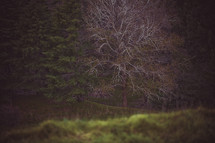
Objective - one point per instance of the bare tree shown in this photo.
(131, 44)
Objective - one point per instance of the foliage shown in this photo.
(63, 73)
(189, 126)
(10, 53)
(32, 32)
(40, 48)
(24, 36)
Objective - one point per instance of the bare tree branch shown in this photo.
(129, 41)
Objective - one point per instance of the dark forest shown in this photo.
(107, 71)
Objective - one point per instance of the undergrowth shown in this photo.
(30, 110)
(188, 126)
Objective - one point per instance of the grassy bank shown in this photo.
(189, 126)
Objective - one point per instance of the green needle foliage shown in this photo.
(10, 53)
(24, 36)
(32, 30)
(63, 74)
(40, 48)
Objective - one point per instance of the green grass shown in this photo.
(188, 126)
(41, 120)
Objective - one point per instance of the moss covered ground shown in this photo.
(188, 126)
(40, 120)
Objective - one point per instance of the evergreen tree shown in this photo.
(32, 29)
(63, 73)
(40, 48)
(10, 53)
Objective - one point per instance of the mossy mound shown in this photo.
(188, 126)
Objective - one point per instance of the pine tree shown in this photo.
(24, 27)
(40, 48)
(8, 18)
(32, 30)
(63, 74)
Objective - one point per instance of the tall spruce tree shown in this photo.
(32, 30)
(9, 16)
(23, 28)
(40, 48)
(63, 74)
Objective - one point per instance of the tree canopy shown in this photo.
(131, 46)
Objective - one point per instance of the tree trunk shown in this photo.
(164, 105)
(124, 96)
(125, 102)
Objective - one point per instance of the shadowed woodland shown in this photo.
(107, 71)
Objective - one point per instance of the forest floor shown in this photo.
(34, 119)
